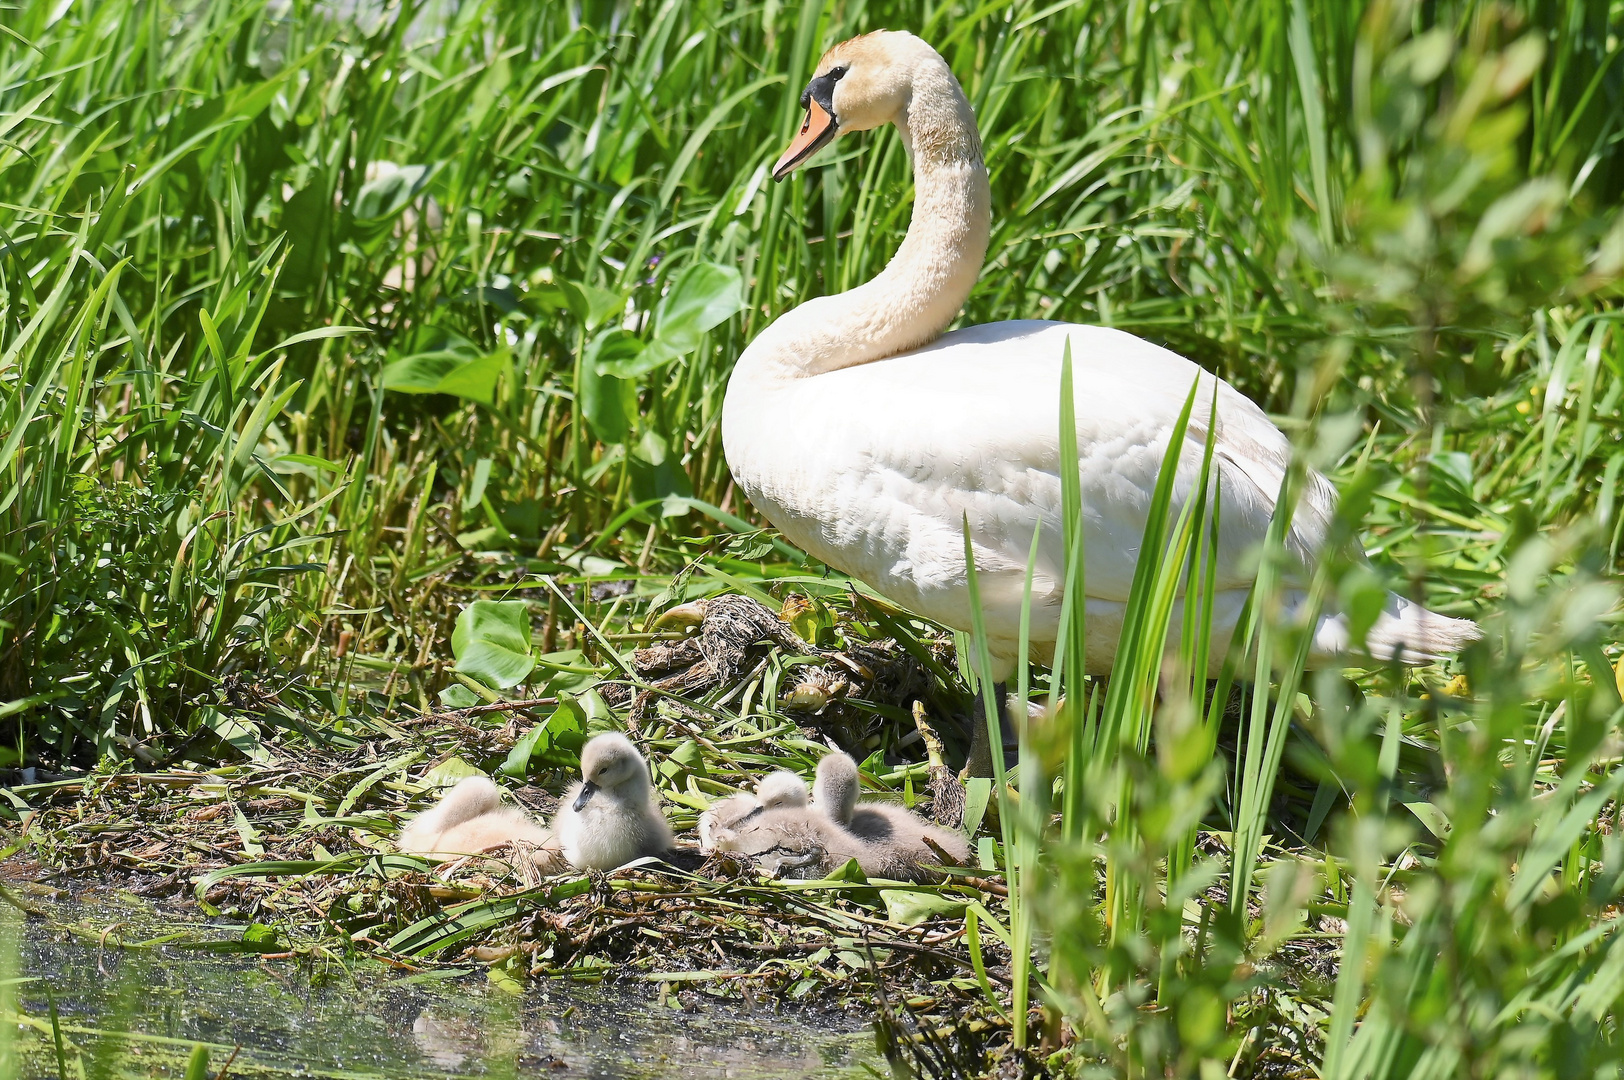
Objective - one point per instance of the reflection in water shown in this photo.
(347, 1022)
(603, 1034)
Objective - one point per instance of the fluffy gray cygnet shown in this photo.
(804, 842)
(788, 838)
(905, 836)
(470, 820)
(780, 789)
(609, 818)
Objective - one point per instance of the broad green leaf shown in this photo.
(458, 696)
(977, 793)
(910, 907)
(552, 742)
(607, 401)
(567, 672)
(475, 380)
(421, 373)
(456, 373)
(492, 642)
(559, 296)
(391, 191)
(476, 486)
(704, 296)
(449, 772)
(849, 871)
(601, 304)
(647, 358)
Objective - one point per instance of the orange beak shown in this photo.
(818, 130)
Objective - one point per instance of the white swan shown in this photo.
(609, 818)
(906, 835)
(866, 438)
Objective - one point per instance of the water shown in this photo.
(137, 1011)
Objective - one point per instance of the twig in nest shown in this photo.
(945, 788)
(477, 710)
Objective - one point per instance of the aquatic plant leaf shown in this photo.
(389, 194)
(449, 771)
(197, 1067)
(447, 372)
(458, 696)
(492, 642)
(556, 741)
(704, 296)
(977, 793)
(910, 907)
(567, 672)
(608, 401)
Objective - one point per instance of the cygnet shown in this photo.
(609, 817)
(470, 819)
(905, 835)
(803, 842)
(780, 789)
(788, 838)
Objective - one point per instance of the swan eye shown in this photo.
(837, 72)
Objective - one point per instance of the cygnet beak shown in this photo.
(816, 133)
(588, 790)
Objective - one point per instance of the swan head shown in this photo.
(609, 762)
(836, 787)
(860, 84)
(781, 789)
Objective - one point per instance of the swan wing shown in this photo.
(874, 468)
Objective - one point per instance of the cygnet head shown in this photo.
(836, 786)
(863, 83)
(611, 764)
(780, 790)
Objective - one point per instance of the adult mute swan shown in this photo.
(867, 436)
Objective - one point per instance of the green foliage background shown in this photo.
(312, 325)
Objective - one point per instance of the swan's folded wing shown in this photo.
(893, 456)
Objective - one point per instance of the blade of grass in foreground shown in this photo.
(1068, 689)
(1007, 814)
(1130, 696)
(1032, 808)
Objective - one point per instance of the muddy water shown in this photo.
(139, 1009)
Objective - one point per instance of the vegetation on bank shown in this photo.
(315, 329)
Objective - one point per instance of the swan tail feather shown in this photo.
(1404, 631)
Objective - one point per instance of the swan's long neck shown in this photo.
(925, 284)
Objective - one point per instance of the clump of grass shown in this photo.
(1466, 886)
(497, 203)
(317, 327)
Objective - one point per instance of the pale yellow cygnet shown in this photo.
(471, 820)
(780, 789)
